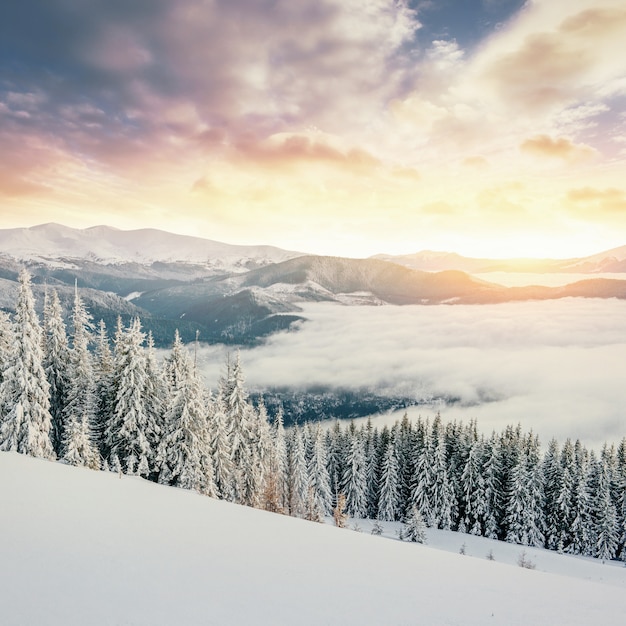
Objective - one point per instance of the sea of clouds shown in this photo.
(558, 367)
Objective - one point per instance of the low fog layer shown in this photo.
(557, 367)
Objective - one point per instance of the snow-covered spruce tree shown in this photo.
(354, 484)
(319, 481)
(103, 373)
(472, 492)
(372, 467)
(247, 478)
(580, 530)
(220, 448)
(493, 489)
(25, 421)
(442, 495)
(176, 365)
(517, 501)
(414, 528)
(409, 445)
(253, 470)
(336, 452)
(298, 473)
(56, 365)
(184, 453)
(78, 447)
(422, 482)
(552, 478)
(78, 441)
(389, 499)
(604, 515)
(563, 516)
(525, 521)
(126, 436)
(459, 439)
(264, 437)
(508, 449)
(156, 394)
(276, 482)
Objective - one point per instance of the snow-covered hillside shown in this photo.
(83, 547)
(105, 244)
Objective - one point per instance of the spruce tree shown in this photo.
(525, 521)
(472, 492)
(184, 454)
(604, 515)
(553, 480)
(105, 392)
(442, 495)
(336, 451)
(319, 481)
(79, 414)
(414, 528)
(156, 395)
(25, 421)
(220, 448)
(126, 435)
(493, 489)
(298, 474)
(565, 497)
(421, 496)
(56, 365)
(389, 499)
(354, 484)
(246, 474)
(579, 533)
(280, 463)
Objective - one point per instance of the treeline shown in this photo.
(82, 398)
(568, 499)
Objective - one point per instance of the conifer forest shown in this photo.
(77, 395)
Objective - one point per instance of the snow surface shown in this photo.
(82, 547)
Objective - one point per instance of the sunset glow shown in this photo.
(347, 127)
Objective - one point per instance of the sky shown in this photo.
(346, 127)
(555, 367)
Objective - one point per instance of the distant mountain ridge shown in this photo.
(238, 294)
(105, 244)
(613, 260)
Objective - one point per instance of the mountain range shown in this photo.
(237, 294)
(610, 261)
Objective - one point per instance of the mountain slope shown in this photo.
(389, 282)
(83, 547)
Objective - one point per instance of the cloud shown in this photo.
(559, 148)
(611, 200)
(304, 148)
(556, 55)
(553, 366)
(240, 63)
(476, 162)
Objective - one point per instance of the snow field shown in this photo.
(83, 547)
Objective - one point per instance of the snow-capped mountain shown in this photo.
(103, 244)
